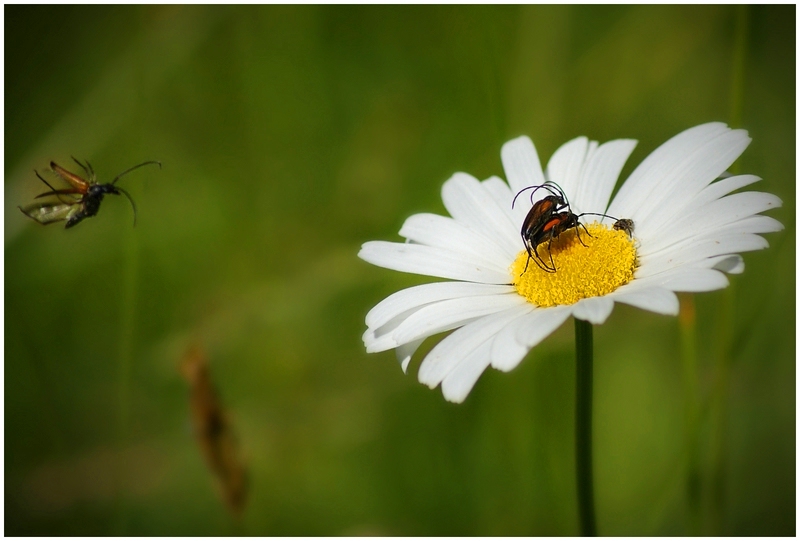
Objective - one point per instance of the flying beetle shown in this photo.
(81, 200)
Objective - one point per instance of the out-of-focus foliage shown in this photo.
(289, 136)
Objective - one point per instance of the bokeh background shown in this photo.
(291, 135)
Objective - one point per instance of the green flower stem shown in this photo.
(583, 427)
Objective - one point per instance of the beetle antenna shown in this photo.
(133, 205)
(132, 168)
(597, 214)
(561, 191)
(519, 192)
(534, 188)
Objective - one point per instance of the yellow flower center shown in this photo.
(606, 262)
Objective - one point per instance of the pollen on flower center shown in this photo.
(606, 262)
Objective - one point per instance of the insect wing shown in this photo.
(540, 211)
(555, 225)
(551, 227)
(80, 184)
(537, 217)
(65, 191)
(48, 213)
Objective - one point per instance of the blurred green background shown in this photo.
(291, 135)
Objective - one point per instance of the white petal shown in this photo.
(696, 280)
(566, 164)
(755, 224)
(593, 146)
(521, 164)
(653, 299)
(684, 278)
(469, 203)
(658, 164)
(722, 187)
(600, 174)
(689, 177)
(742, 205)
(502, 195)
(518, 337)
(595, 310)
(694, 252)
(506, 351)
(746, 227)
(759, 224)
(732, 264)
(694, 174)
(500, 192)
(382, 338)
(419, 296)
(404, 353)
(455, 348)
(445, 315)
(460, 381)
(429, 261)
(677, 170)
(424, 321)
(681, 205)
(444, 232)
(706, 219)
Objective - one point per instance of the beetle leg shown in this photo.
(550, 252)
(541, 263)
(578, 233)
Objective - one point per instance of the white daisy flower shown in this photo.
(687, 230)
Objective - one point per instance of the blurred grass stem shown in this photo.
(691, 407)
(130, 276)
(738, 68)
(705, 486)
(583, 427)
(720, 392)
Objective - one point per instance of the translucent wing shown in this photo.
(48, 213)
(80, 184)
